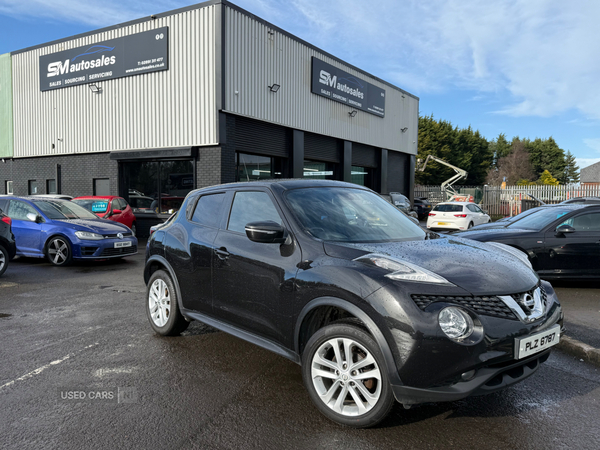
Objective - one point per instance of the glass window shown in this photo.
(251, 207)
(585, 222)
(540, 218)
(317, 170)
(208, 210)
(350, 215)
(51, 187)
(94, 205)
(448, 208)
(33, 187)
(255, 167)
(19, 210)
(9, 188)
(362, 176)
(61, 210)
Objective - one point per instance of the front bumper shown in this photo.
(105, 248)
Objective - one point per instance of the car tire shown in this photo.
(470, 225)
(162, 307)
(134, 229)
(3, 260)
(58, 251)
(341, 393)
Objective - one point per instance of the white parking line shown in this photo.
(41, 369)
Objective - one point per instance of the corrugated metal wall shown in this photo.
(256, 57)
(172, 108)
(6, 114)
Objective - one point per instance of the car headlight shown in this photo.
(402, 270)
(455, 323)
(87, 235)
(513, 251)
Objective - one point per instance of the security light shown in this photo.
(352, 113)
(274, 88)
(404, 129)
(94, 88)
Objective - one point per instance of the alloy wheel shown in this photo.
(159, 302)
(58, 251)
(346, 377)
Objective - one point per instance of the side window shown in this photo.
(587, 222)
(476, 209)
(208, 210)
(251, 207)
(19, 210)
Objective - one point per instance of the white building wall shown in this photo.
(257, 56)
(171, 108)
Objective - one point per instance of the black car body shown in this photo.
(422, 207)
(561, 241)
(290, 266)
(586, 200)
(8, 249)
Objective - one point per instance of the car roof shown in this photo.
(457, 203)
(90, 197)
(285, 184)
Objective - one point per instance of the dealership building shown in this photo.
(153, 108)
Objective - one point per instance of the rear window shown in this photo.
(448, 208)
(95, 206)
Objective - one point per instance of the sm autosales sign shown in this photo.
(331, 82)
(122, 57)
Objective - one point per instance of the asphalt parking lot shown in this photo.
(81, 368)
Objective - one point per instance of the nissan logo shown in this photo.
(528, 301)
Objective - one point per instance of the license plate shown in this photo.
(123, 244)
(443, 223)
(538, 342)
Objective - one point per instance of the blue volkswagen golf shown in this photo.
(61, 231)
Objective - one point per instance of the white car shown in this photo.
(456, 216)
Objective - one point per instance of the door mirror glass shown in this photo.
(267, 232)
(32, 217)
(116, 211)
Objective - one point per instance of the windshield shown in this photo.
(93, 205)
(448, 208)
(350, 215)
(61, 210)
(540, 219)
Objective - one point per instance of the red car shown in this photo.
(109, 207)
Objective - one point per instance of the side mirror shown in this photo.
(485, 211)
(267, 232)
(565, 229)
(116, 211)
(34, 218)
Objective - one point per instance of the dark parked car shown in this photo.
(586, 200)
(61, 231)
(561, 241)
(333, 277)
(506, 221)
(422, 207)
(7, 242)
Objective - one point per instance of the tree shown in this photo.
(571, 174)
(514, 168)
(545, 154)
(547, 179)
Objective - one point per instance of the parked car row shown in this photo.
(61, 230)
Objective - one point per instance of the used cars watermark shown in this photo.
(126, 394)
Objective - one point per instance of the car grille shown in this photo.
(119, 251)
(113, 236)
(88, 251)
(486, 305)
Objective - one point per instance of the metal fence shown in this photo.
(512, 199)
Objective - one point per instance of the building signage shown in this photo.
(335, 84)
(121, 57)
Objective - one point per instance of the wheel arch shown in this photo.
(313, 313)
(54, 235)
(157, 262)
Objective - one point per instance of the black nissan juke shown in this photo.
(333, 277)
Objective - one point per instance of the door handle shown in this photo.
(222, 253)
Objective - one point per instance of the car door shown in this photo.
(576, 253)
(253, 283)
(189, 249)
(478, 215)
(28, 234)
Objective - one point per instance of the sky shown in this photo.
(527, 68)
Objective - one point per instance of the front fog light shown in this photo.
(456, 323)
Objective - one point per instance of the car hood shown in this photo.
(491, 234)
(100, 226)
(478, 268)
